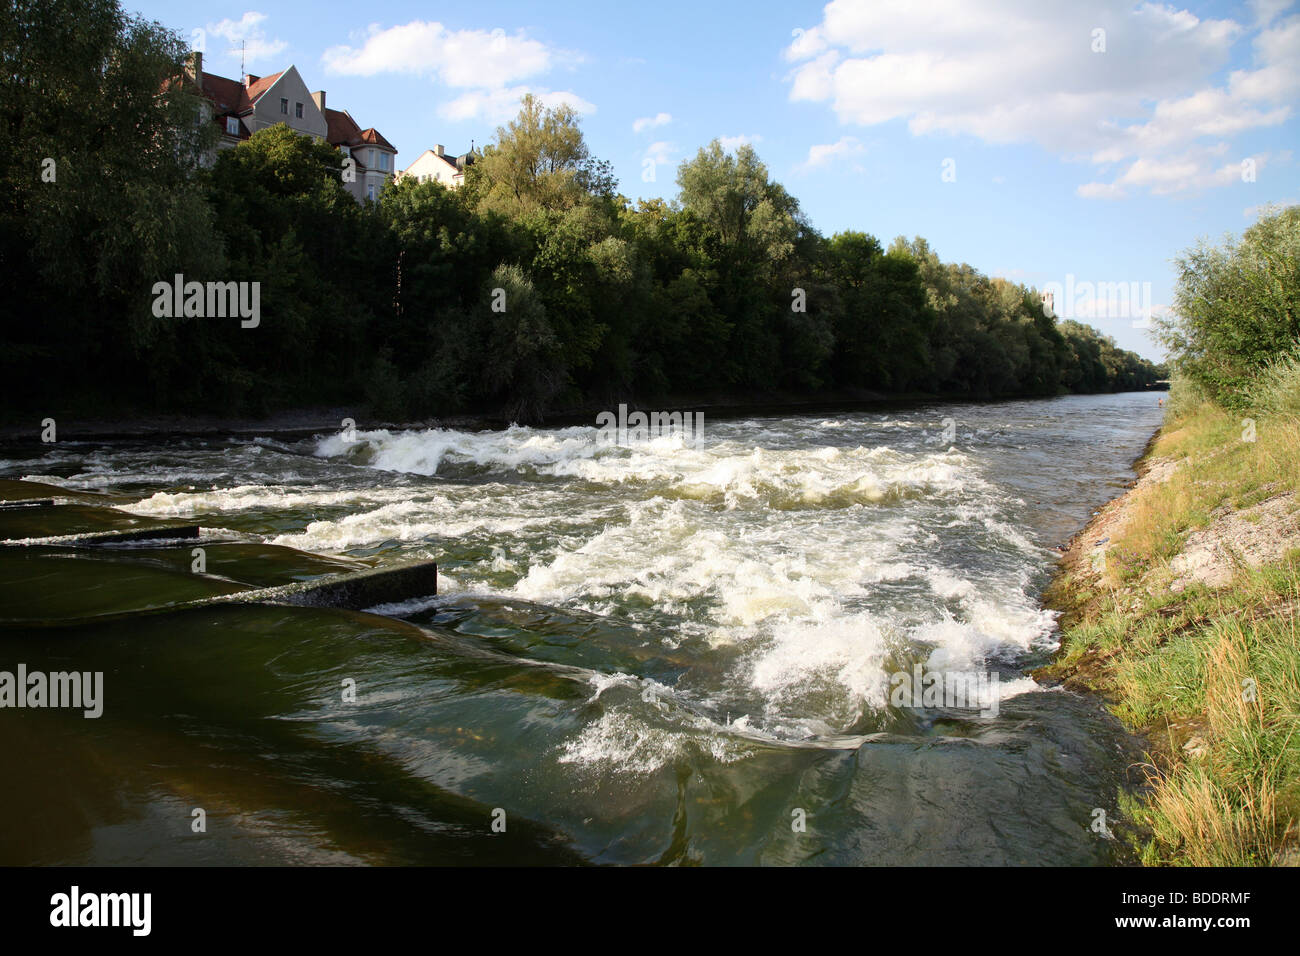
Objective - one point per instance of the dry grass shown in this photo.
(1211, 677)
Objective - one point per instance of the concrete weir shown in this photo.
(162, 533)
(349, 590)
(28, 503)
(353, 591)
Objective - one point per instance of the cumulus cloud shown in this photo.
(500, 105)
(732, 143)
(1138, 95)
(825, 153)
(650, 122)
(248, 39)
(488, 65)
(456, 57)
(661, 152)
(1101, 191)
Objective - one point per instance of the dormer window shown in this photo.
(284, 106)
(232, 125)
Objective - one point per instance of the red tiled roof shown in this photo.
(375, 138)
(228, 96)
(232, 97)
(257, 85)
(342, 129)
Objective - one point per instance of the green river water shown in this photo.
(666, 651)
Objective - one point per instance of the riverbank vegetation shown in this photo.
(1181, 599)
(727, 289)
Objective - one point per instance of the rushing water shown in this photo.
(659, 652)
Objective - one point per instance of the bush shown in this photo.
(1276, 390)
(1237, 307)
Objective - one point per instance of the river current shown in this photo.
(667, 650)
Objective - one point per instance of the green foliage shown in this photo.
(540, 160)
(99, 198)
(728, 290)
(1237, 307)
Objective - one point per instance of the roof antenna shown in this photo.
(242, 72)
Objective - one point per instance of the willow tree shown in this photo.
(540, 160)
(1237, 306)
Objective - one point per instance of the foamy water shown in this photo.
(735, 606)
(771, 544)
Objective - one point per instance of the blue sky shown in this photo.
(1064, 143)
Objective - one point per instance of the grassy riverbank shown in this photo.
(1180, 605)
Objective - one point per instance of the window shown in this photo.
(346, 150)
(284, 106)
(371, 162)
(370, 191)
(297, 110)
(232, 125)
(383, 161)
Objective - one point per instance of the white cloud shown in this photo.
(1266, 11)
(822, 154)
(488, 65)
(1101, 191)
(732, 143)
(248, 39)
(650, 122)
(1010, 71)
(661, 152)
(501, 105)
(464, 58)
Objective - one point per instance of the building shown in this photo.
(242, 107)
(434, 164)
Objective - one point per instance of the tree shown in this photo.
(540, 160)
(1236, 306)
(99, 195)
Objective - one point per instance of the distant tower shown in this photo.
(1049, 302)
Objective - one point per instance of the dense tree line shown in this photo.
(1237, 308)
(535, 286)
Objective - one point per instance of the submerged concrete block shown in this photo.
(358, 590)
(163, 533)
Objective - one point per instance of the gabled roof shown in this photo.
(228, 96)
(342, 128)
(449, 160)
(231, 97)
(257, 85)
(344, 131)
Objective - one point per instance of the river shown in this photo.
(662, 651)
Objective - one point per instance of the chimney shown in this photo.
(437, 149)
(319, 99)
(194, 67)
(250, 79)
